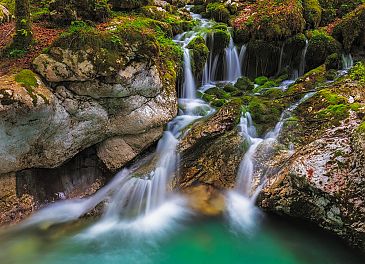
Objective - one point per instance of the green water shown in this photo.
(210, 241)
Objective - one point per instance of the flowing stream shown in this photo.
(146, 222)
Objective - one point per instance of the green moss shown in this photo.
(218, 102)
(265, 113)
(320, 46)
(361, 128)
(273, 93)
(312, 13)
(357, 73)
(335, 112)
(221, 39)
(218, 12)
(27, 78)
(244, 84)
(218, 93)
(332, 98)
(198, 9)
(333, 61)
(350, 28)
(200, 54)
(229, 88)
(270, 19)
(261, 80)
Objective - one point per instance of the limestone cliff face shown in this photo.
(125, 107)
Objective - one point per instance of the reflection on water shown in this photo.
(277, 241)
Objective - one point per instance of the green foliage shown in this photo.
(218, 12)
(312, 13)
(350, 28)
(17, 53)
(357, 73)
(9, 4)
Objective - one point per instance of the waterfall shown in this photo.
(232, 63)
(241, 210)
(347, 61)
(138, 198)
(189, 83)
(210, 67)
(241, 57)
(302, 65)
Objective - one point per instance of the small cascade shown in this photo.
(302, 64)
(245, 193)
(242, 56)
(211, 66)
(189, 87)
(246, 169)
(232, 63)
(347, 61)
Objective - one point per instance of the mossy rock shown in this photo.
(312, 13)
(218, 102)
(333, 61)
(273, 93)
(128, 4)
(244, 84)
(229, 88)
(221, 39)
(110, 50)
(320, 46)
(262, 58)
(198, 9)
(261, 80)
(270, 19)
(350, 29)
(357, 73)
(200, 53)
(27, 78)
(265, 113)
(218, 12)
(218, 93)
(66, 11)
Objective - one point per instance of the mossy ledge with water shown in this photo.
(150, 108)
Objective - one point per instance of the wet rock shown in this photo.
(116, 152)
(210, 154)
(323, 180)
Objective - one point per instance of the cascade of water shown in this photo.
(140, 194)
(189, 88)
(232, 63)
(241, 57)
(302, 65)
(347, 61)
(244, 195)
(210, 68)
